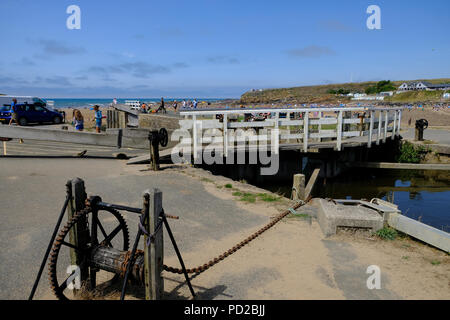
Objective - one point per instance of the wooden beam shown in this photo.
(129, 138)
(311, 183)
(406, 166)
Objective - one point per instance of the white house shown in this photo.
(422, 85)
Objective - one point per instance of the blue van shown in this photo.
(33, 111)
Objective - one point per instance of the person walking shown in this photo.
(13, 112)
(194, 104)
(184, 104)
(98, 118)
(161, 107)
(175, 105)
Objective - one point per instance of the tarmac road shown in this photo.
(32, 192)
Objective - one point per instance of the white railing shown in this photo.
(304, 125)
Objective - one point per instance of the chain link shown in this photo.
(216, 260)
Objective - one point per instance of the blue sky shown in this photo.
(214, 48)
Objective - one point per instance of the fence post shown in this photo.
(394, 128)
(386, 122)
(305, 131)
(225, 135)
(372, 116)
(153, 253)
(79, 235)
(298, 187)
(399, 121)
(339, 132)
(380, 125)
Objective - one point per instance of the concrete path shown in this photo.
(439, 136)
(293, 260)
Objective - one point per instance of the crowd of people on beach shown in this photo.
(147, 108)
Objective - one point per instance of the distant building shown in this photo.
(386, 94)
(422, 86)
(446, 96)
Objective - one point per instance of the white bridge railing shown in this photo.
(304, 125)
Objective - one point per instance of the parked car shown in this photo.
(37, 112)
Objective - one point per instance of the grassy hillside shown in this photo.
(417, 96)
(317, 94)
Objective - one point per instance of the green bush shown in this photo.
(409, 153)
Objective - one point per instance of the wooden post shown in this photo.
(305, 131)
(79, 235)
(225, 135)
(153, 253)
(154, 150)
(394, 128)
(298, 187)
(372, 116)
(4, 148)
(339, 132)
(380, 125)
(386, 123)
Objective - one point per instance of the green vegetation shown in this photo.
(339, 91)
(405, 258)
(206, 180)
(416, 96)
(410, 153)
(329, 93)
(229, 186)
(387, 233)
(252, 197)
(381, 86)
(435, 262)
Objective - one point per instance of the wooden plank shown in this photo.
(312, 181)
(437, 238)
(86, 138)
(406, 166)
(380, 125)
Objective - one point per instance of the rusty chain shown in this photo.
(216, 260)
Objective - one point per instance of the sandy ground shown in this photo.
(292, 260)
(295, 261)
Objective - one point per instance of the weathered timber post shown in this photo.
(153, 138)
(80, 234)
(153, 249)
(298, 187)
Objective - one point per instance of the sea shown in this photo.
(60, 103)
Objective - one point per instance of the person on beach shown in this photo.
(78, 120)
(184, 104)
(175, 105)
(161, 107)
(194, 104)
(13, 112)
(98, 118)
(144, 108)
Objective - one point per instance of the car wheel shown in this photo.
(56, 120)
(23, 122)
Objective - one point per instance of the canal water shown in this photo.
(420, 195)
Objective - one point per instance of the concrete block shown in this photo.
(331, 216)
